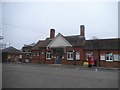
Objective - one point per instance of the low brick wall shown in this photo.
(114, 64)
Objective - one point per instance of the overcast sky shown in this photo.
(28, 22)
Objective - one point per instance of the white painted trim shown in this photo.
(70, 58)
(58, 35)
(46, 55)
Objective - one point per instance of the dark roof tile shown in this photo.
(11, 50)
(76, 40)
(42, 43)
(102, 44)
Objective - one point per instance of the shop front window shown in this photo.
(109, 56)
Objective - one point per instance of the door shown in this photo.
(59, 59)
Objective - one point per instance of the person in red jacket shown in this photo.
(92, 61)
(89, 61)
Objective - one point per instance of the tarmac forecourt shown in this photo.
(27, 75)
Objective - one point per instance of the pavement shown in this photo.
(73, 66)
(87, 68)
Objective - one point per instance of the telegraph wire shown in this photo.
(23, 27)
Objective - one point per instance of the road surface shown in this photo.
(52, 76)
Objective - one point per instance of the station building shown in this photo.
(75, 50)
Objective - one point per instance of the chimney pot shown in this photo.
(52, 33)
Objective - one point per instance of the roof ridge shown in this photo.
(104, 39)
(71, 35)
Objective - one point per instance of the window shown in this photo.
(48, 55)
(102, 56)
(77, 55)
(109, 56)
(116, 57)
(70, 55)
(119, 57)
(20, 56)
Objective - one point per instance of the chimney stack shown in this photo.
(82, 30)
(52, 33)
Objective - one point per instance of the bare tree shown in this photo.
(94, 38)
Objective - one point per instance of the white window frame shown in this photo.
(102, 57)
(71, 55)
(48, 55)
(116, 57)
(77, 55)
(20, 56)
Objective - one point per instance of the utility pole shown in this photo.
(1, 45)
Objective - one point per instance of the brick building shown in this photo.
(75, 50)
(106, 51)
(26, 53)
(11, 54)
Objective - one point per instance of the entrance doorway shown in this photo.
(58, 52)
(58, 59)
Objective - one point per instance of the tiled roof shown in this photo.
(11, 50)
(102, 44)
(27, 48)
(37, 45)
(42, 43)
(46, 42)
(76, 40)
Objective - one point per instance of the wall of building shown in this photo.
(114, 64)
(35, 56)
(74, 61)
(104, 63)
(10, 57)
(41, 58)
